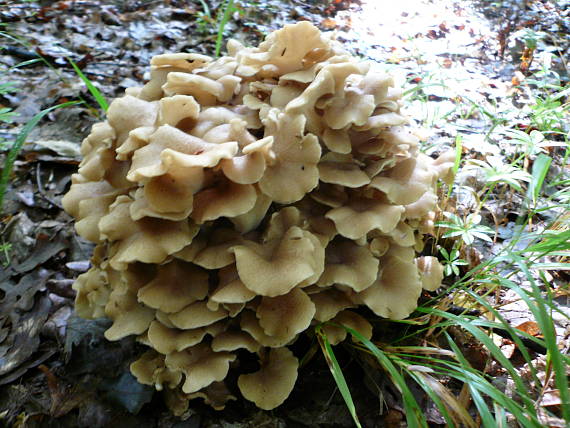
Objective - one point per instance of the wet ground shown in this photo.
(56, 369)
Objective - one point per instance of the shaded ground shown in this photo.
(56, 369)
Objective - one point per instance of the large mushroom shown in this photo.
(237, 202)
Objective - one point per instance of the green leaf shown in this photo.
(92, 89)
(337, 373)
(414, 415)
(539, 170)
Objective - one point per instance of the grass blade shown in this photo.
(92, 89)
(414, 414)
(17, 146)
(222, 24)
(539, 171)
(337, 374)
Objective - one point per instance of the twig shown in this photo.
(41, 190)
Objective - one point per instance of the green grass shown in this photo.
(223, 20)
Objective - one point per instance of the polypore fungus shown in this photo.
(236, 202)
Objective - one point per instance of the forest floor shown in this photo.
(470, 74)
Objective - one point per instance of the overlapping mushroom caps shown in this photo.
(238, 201)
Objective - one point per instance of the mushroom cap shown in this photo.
(349, 264)
(196, 315)
(231, 289)
(360, 216)
(168, 340)
(177, 285)
(150, 369)
(396, 291)
(431, 272)
(215, 395)
(350, 319)
(287, 315)
(336, 168)
(129, 316)
(266, 269)
(148, 240)
(201, 366)
(234, 340)
(329, 302)
(294, 171)
(272, 384)
(250, 324)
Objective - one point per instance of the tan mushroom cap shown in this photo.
(431, 272)
(406, 182)
(266, 269)
(337, 140)
(128, 315)
(286, 316)
(272, 384)
(178, 108)
(97, 151)
(176, 286)
(419, 209)
(250, 324)
(168, 340)
(149, 369)
(88, 202)
(329, 302)
(231, 289)
(205, 90)
(170, 149)
(215, 395)
(249, 168)
(137, 138)
(212, 250)
(148, 240)
(226, 199)
(360, 216)
(349, 264)
(196, 315)
(284, 50)
(128, 112)
(342, 169)
(200, 365)
(350, 319)
(248, 221)
(234, 340)
(379, 246)
(294, 171)
(396, 291)
(93, 291)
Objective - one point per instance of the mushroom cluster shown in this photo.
(236, 202)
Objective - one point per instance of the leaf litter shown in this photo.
(464, 67)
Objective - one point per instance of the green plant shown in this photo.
(92, 89)
(451, 261)
(222, 21)
(497, 171)
(467, 229)
(534, 143)
(5, 249)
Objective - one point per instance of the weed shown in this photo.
(5, 249)
(451, 261)
(467, 229)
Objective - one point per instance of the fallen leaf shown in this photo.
(530, 327)
(68, 149)
(328, 24)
